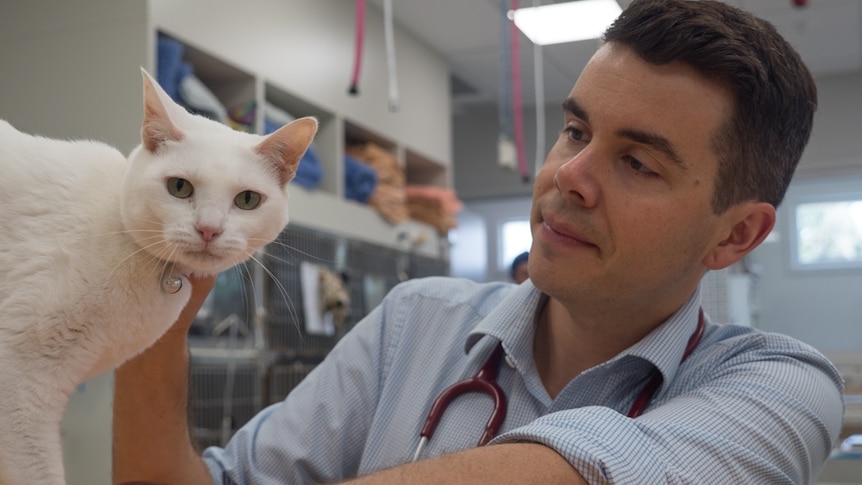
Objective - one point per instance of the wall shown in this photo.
(821, 307)
(835, 147)
(476, 129)
(71, 69)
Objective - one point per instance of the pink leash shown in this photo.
(357, 54)
(517, 103)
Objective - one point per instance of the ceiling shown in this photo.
(466, 33)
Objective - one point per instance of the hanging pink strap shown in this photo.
(517, 103)
(357, 54)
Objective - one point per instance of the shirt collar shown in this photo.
(665, 345)
(512, 322)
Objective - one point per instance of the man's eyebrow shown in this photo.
(656, 141)
(572, 106)
(660, 143)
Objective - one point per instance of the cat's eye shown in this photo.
(247, 200)
(180, 188)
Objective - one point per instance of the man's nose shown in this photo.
(577, 179)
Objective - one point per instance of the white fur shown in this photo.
(78, 294)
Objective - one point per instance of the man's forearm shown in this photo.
(518, 463)
(151, 436)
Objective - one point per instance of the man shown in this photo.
(520, 269)
(679, 140)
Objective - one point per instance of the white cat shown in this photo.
(94, 249)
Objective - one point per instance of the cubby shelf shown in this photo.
(325, 206)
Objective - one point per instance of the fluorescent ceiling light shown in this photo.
(566, 22)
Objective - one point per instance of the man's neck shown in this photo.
(567, 344)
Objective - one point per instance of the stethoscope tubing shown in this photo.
(485, 382)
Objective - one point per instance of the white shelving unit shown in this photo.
(325, 208)
(70, 71)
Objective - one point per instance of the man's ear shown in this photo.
(751, 223)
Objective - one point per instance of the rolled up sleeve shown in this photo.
(769, 412)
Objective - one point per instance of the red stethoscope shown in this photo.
(485, 382)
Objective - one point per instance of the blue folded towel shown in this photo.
(309, 173)
(360, 180)
(170, 66)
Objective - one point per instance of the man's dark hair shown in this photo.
(775, 96)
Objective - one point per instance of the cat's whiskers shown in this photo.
(290, 252)
(125, 230)
(293, 260)
(166, 277)
(89, 237)
(250, 299)
(166, 247)
(286, 261)
(169, 250)
(291, 307)
(147, 239)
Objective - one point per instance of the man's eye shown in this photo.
(638, 167)
(575, 134)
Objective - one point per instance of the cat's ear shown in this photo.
(285, 147)
(158, 127)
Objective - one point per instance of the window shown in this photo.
(827, 232)
(515, 238)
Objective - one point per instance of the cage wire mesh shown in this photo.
(287, 352)
(212, 412)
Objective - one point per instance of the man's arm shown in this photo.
(151, 435)
(511, 463)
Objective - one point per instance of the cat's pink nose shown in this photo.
(208, 233)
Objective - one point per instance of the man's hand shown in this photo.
(201, 287)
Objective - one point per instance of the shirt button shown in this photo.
(510, 361)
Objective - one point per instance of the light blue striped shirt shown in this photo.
(746, 407)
